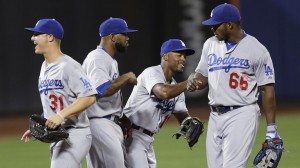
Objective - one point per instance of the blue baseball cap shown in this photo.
(48, 26)
(174, 45)
(222, 14)
(114, 26)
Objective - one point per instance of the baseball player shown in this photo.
(65, 93)
(236, 67)
(155, 97)
(102, 69)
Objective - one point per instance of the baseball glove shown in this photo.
(270, 154)
(40, 132)
(191, 129)
(125, 124)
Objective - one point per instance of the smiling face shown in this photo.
(176, 61)
(41, 42)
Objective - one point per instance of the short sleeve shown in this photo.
(79, 83)
(264, 70)
(99, 71)
(152, 77)
(202, 66)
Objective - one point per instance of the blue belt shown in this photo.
(145, 131)
(223, 109)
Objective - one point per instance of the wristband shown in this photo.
(271, 127)
(62, 117)
(272, 131)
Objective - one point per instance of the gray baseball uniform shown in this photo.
(60, 84)
(148, 114)
(234, 75)
(107, 144)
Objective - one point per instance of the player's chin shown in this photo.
(219, 38)
(37, 51)
(179, 69)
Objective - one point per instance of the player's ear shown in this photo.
(111, 36)
(166, 56)
(230, 25)
(51, 38)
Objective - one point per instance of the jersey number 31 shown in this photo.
(56, 101)
(238, 81)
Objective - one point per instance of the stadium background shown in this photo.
(273, 22)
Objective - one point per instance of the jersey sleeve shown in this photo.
(264, 70)
(202, 67)
(152, 77)
(79, 83)
(99, 75)
(180, 105)
(99, 72)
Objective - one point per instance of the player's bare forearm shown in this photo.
(181, 116)
(121, 81)
(78, 106)
(268, 102)
(74, 109)
(168, 91)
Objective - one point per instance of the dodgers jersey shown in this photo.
(146, 110)
(60, 84)
(101, 68)
(235, 74)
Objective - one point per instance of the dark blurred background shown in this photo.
(275, 23)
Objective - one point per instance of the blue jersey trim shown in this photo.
(229, 45)
(42, 115)
(102, 88)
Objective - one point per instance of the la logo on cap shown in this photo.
(182, 43)
(37, 23)
(125, 23)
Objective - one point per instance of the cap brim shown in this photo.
(130, 31)
(188, 51)
(210, 22)
(33, 30)
(30, 29)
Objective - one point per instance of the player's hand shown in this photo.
(54, 121)
(193, 83)
(26, 136)
(131, 78)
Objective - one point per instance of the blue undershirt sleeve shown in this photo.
(102, 88)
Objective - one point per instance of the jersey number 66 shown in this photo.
(238, 81)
